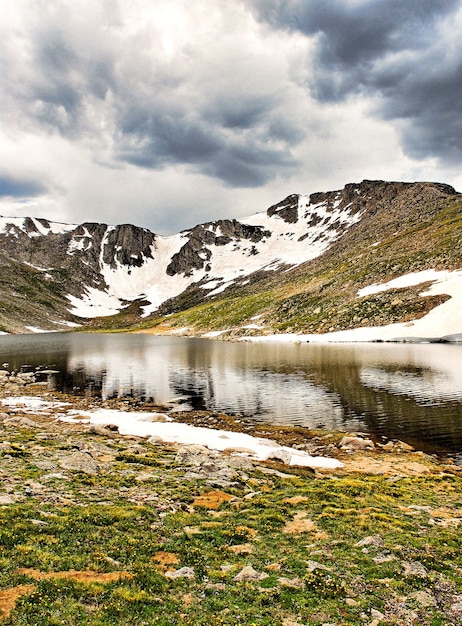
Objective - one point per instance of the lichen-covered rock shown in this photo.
(80, 461)
(356, 443)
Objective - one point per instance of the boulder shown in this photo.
(80, 461)
(354, 444)
(248, 573)
(183, 572)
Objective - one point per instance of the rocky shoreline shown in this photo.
(371, 541)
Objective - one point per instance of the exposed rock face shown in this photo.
(287, 209)
(195, 254)
(128, 245)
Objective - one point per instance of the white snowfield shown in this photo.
(146, 425)
(443, 320)
(11, 226)
(287, 244)
(161, 427)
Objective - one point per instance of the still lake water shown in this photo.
(411, 392)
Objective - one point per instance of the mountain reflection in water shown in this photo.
(412, 392)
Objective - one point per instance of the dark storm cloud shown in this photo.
(10, 187)
(158, 114)
(387, 48)
(64, 77)
(241, 141)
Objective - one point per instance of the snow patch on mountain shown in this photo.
(95, 303)
(32, 226)
(214, 256)
(442, 321)
(408, 280)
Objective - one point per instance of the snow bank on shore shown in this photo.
(160, 426)
(163, 428)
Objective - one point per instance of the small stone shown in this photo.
(314, 565)
(80, 462)
(183, 572)
(423, 598)
(356, 443)
(404, 447)
(292, 583)
(377, 614)
(102, 429)
(388, 446)
(23, 422)
(242, 548)
(384, 558)
(414, 568)
(351, 602)
(6, 498)
(248, 573)
(194, 456)
(216, 586)
(280, 455)
(374, 540)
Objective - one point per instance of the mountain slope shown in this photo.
(298, 266)
(404, 227)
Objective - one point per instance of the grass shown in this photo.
(142, 516)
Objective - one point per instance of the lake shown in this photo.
(406, 391)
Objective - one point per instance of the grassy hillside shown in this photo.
(32, 297)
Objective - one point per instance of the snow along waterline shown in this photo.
(163, 429)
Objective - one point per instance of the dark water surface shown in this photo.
(411, 392)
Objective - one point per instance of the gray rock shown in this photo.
(248, 573)
(80, 462)
(24, 422)
(356, 443)
(375, 614)
(280, 455)
(6, 498)
(414, 568)
(183, 572)
(293, 583)
(375, 541)
(218, 469)
(314, 565)
(104, 430)
(195, 456)
(423, 598)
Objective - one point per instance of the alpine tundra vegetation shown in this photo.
(101, 528)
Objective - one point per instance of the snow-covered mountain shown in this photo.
(60, 274)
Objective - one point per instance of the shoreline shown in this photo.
(22, 398)
(99, 528)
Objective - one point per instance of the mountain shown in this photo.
(297, 267)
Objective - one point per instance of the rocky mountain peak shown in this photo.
(287, 209)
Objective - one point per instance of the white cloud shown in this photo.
(170, 113)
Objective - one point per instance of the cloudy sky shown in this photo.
(167, 113)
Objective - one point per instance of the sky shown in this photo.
(170, 113)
